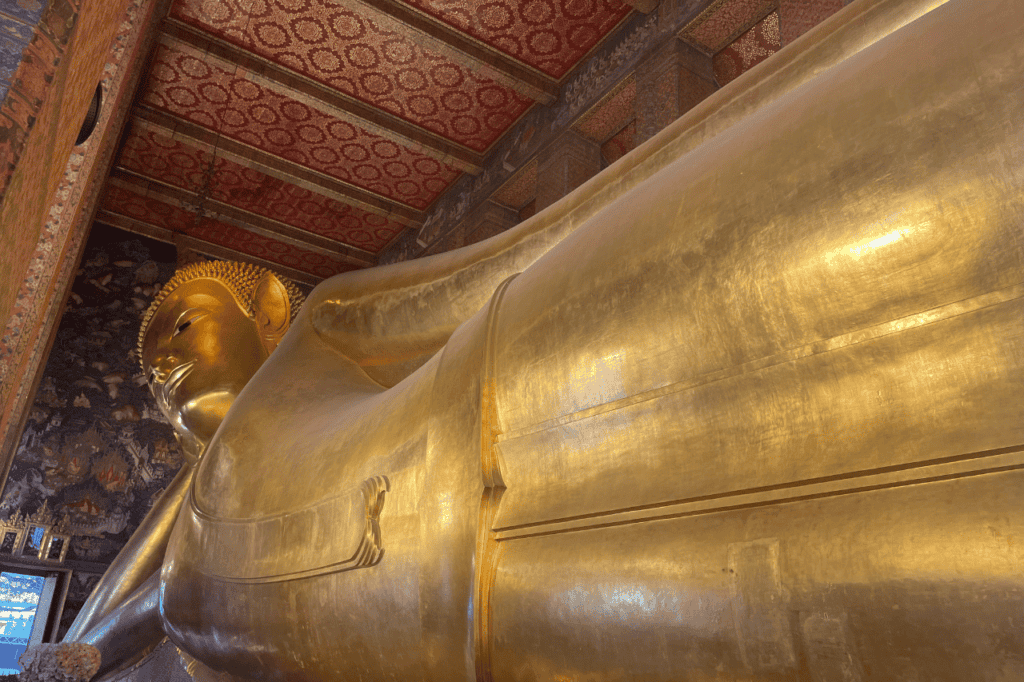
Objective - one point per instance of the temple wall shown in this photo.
(41, 116)
(52, 186)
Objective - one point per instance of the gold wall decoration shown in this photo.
(36, 536)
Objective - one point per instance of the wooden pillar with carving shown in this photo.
(671, 81)
(566, 164)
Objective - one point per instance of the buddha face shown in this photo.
(200, 350)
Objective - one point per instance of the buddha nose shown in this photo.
(161, 368)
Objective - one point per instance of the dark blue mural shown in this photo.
(95, 447)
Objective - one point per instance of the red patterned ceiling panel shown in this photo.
(549, 35)
(611, 114)
(749, 50)
(126, 203)
(722, 21)
(355, 55)
(245, 111)
(621, 144)
(161, 158)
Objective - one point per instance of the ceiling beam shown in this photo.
(474, 54)
(275, 166)
(324, 99)
(742, 17)
(182, 240)
(643, 6)
(232, 215)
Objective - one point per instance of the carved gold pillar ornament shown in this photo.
(749, 406)
(36, 536)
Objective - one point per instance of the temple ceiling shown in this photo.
(308, 135)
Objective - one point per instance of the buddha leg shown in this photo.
(138, 560)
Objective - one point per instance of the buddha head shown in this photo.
(205, 335)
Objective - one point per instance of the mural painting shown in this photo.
(96, 449)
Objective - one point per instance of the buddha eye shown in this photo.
(186, 318)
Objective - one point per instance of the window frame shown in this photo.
(51, 600)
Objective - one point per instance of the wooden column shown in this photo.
(564, 165)
(670, 82)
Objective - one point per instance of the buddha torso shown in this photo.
(729, 449)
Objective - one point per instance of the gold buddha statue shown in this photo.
(204, 336)
(747, 406)
(240, 312)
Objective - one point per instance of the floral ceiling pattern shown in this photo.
(336, 124)
(153, 155)
(722, 22)
(354, 54)
(549, 35)
(237, 107)
(750, 49)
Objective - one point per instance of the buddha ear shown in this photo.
(272, 310)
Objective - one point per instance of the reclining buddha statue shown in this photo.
(746, 406)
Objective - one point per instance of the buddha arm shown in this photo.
(137, 560)
(389, 320)
(127, 633)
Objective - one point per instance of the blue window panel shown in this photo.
(19, 599)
